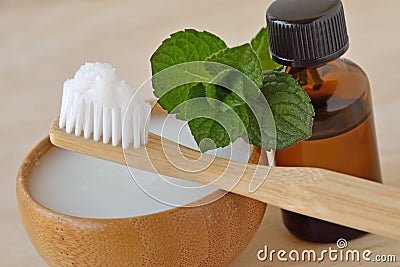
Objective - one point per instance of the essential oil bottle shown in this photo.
(308, 37)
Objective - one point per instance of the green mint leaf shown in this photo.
(291, 108)
(208, 134)
(245, 99)
(183, 46)
(244, 59)
(210, 126)
(231, 88)
(260, 44)
(260, 129)
(234, 86)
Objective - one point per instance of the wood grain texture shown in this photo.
(207, 235)
(319, 193)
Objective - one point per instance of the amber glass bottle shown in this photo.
(308, 37)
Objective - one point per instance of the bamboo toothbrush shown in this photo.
(318, 193)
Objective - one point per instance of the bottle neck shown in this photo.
(310, 77)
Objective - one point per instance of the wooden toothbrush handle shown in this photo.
(318, 193)
(334, 197)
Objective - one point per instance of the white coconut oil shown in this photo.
(83, 186)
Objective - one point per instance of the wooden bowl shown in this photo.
(208, 235)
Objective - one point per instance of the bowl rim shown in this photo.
(40, 149)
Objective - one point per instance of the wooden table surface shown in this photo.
(43, 42)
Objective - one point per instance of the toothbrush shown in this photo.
(318, 193)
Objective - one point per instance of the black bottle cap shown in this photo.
(306, 33)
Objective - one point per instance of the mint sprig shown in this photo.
(222, 105)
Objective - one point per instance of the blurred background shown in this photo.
(43, 42)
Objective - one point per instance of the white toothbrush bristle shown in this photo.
(88, 119)
(106, 125)
(127, 129)
(79, 116)
(95, 104)
(116, 123)
(97, 121)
